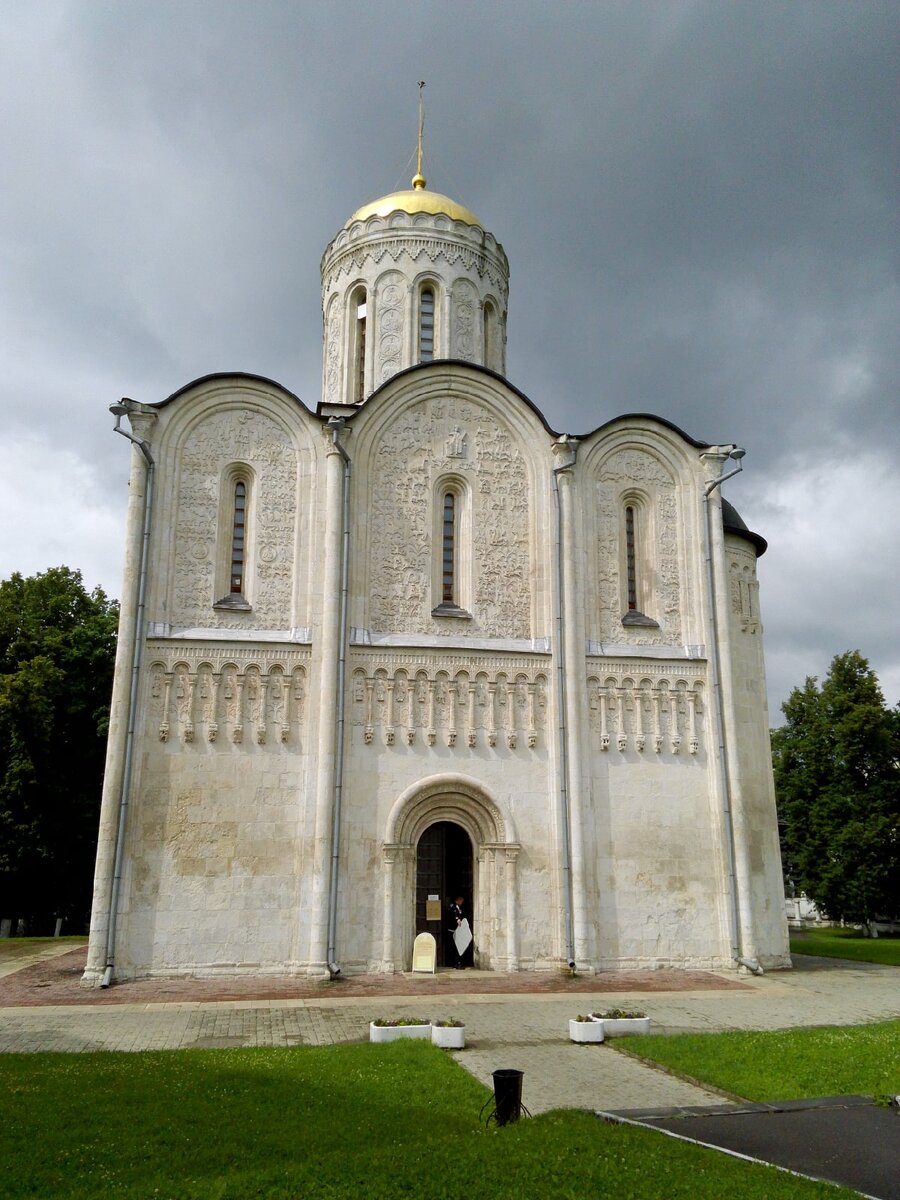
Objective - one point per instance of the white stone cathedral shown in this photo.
(415, 644)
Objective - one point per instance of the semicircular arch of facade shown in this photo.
(448, 797)
(444, 380)
(235, 395)
(655, 440)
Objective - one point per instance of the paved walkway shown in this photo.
(521, 1030)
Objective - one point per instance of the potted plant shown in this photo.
(449, 1034)
(387, 1029)
(617, 1022)
(585, 1030)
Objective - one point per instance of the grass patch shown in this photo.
(786, 1064)
(398, 1121)
(848, 943)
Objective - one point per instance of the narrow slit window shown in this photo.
(426, 325)
(360, 373)
(238, 538)
(448, 576)
(630, 555)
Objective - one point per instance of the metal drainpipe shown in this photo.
(336, 424)
(718, 709)
(118, 411)
(563, 730)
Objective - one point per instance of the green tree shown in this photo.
(837, 780)
(57, 649)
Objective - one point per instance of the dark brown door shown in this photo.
(443, 869)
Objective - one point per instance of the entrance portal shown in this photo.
(443, 870)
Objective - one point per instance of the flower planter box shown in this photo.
(622, 1026)
(393, 1033)
(586, 1031)
(449, 1037)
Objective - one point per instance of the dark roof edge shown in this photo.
(733, 522)
(246, 375)
(477, 367)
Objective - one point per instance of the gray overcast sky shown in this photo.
(698, 201)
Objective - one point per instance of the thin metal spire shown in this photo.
(419, 179)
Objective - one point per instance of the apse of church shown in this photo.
(414, 643)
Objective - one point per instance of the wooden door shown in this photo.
(443, 869)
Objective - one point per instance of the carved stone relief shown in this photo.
(227, 698)
(464, 304)
(661, 715)
(332, 354)
(390, 303)
(744, 590)
(427, 440)
(226, 437)
(404, 704)
(623, 472)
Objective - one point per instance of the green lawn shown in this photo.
(398, 1121)
(848, 943)
(786, 1064)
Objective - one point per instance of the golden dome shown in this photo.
(416, 200)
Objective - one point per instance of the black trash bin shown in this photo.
(507, 1095)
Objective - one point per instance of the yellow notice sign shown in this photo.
(432, 910)
(424, 953)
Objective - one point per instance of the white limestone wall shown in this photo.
(218, 832)
(754, 757)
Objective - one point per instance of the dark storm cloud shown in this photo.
(698, 201)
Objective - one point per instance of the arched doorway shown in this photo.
(464, 804)
(443, 872)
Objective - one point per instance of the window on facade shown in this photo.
(451, 570)
(239, 529)
(359, 371)
(426, 324)
(636, 568)
(233, 550)
(630, 565)
(448, 562)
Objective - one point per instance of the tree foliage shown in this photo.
(837, 779)
(57, 650)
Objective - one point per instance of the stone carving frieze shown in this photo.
(495, 703)
(220, 440)
(662, 714)
(416, 247)
(221, 696)
(427, 441)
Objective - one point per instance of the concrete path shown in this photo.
(523, 1031)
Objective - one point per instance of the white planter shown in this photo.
(393, 1033)
(449, 1037)
(585, 1031)
(622, 1026)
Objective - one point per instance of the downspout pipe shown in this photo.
(561, 700)
(722, 761)
(119, 411)
(336, 424)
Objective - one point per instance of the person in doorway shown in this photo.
(459, 927)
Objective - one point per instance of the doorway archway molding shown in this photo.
(465, 802)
